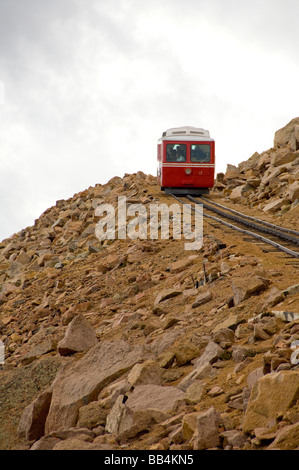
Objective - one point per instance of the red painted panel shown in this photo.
(174, 174)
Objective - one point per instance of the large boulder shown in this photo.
(78, 383)
(237, 193)
(284, 135)
(249, 164)
(164, 399)
(32, 423)
(148, 404)
(275, 205)
(79, 336)
(271, 175)
(283, 156)
(231, 173)
(293, 191)
(271, 395)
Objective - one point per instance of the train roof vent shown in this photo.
(186, 130)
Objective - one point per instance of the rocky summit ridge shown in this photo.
(140, 344)
(267, 181)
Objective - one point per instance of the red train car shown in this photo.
(186, 161)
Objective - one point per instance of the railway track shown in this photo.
(254, 226)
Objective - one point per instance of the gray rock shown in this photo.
(165, 399)
(202, 299)
(283, 136)
(207, 435)
(43, 347)
(203, 372)
(292, 290)
(239, 353)
(234, 438)
(224, 337)
(210, 355)
(167, 294)
(195, 392)
(79, 336)
(148, 404)
(165, 341)
(32, 423)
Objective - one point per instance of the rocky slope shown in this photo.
(267, 181)
(140, 344)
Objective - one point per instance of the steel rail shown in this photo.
(292, 253)
(270, 231)
(254, 219)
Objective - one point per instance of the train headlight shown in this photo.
(188, 171)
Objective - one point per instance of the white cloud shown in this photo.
(90, 87)
(2, 93)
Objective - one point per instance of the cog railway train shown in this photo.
(186, 161)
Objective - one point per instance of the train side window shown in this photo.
(176, 153)
(200, 153)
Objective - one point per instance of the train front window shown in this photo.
(176, 153)
(200, 153)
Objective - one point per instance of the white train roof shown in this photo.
(186, 133)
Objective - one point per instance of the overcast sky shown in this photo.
(88, 86)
